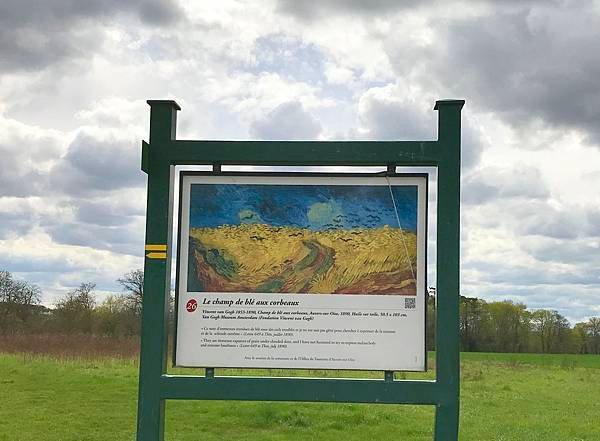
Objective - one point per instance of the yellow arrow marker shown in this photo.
(156, 255)
(156, 248)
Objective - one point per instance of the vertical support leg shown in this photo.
(446, 422)
(154, 315)
(448, 268)
(151, 418)
(157, 279)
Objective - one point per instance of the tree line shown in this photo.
(77, 312)
(484, 326)
(507, 326)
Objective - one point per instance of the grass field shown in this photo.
(504, 397)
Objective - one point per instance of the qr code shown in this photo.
(410, 303)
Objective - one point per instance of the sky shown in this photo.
(316, 207)
(74, 78)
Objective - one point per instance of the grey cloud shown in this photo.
(313, 10)
(491, 183)
(93, 183)
(157, 12)
(33, 264)
(32, 12)
(123, 239)
(552, 224)
(106, 214)
(35, 34)
(17, 180)
(477, 191)
(531, 217)
(558, 222)
(25, 156)
(14, 223)
(534, 64)
(580, 252)
(325, 8)
(287, 121)
(19, 215)
(116, 218)
(114, 221)
(472, 145)
(30, 49)
(593, 221)
(515, 274)
(94, 165)
(390, 118)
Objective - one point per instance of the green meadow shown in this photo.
(504, 397)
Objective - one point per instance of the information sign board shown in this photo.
(301, 272)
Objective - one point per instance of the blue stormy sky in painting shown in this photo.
(316, 207)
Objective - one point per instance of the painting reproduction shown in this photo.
(298, 236)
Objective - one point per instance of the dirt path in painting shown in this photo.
(298, 278)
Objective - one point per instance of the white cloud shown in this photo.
(73, 113)
(36, 256)
(339, 75)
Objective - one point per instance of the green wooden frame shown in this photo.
(159, 159)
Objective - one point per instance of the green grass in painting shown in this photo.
(504, 397)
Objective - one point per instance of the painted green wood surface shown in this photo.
(164, 151)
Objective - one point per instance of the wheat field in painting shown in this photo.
(263, 258)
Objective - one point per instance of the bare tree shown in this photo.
(75, 311)
(17, 302)
(133, 285)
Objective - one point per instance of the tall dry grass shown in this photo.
(71, 346)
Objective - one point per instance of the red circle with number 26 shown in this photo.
(191, 305)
